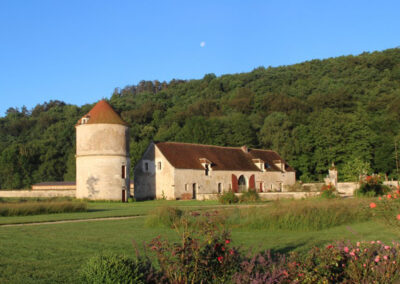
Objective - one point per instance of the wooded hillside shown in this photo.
(344, 110)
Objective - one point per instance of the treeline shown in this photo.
(344, 110)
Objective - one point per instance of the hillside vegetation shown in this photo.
(344, 110)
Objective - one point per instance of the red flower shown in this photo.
(227, 241)
(231, 252)
(220, 258)
(329, 247)
(372, 205)
(389, 196)
(398, 217)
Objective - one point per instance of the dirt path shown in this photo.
(70, 221)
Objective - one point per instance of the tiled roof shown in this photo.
(187, 156)
(102, 112)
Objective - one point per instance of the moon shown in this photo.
(202, 44)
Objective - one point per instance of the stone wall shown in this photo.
(36, 193)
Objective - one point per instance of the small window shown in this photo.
(219, 188)
(207, 169)
(186, 187)
(146, 167)
(123, 171)
(159, 166)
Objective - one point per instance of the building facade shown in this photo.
(102, 155)
(192, 171)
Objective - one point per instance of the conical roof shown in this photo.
(102, 112)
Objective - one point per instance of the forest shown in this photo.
(344, 110)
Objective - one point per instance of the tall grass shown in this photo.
(294, 215)
(41, 207)
(304, 215)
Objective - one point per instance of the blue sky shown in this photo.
(79, 51)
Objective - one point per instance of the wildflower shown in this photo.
(380, 198)
(220, 258)
(372, 205)
(372, 242)
(231, 252)
(346, 249)
(352, 253)
(394, 262)
(378, 241)
(385, 257)
(364, 265)
(377, 258)
(389, 196)
(358, 244)
(398, 217)
(223, 249)
(387, 247)
(329, 247)
(227, 241)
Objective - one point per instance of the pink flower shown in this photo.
(394, 262)
(378, 242)
(231, 252)
(346, 249)
(385, 257)
(377, 258)
(387, 247)
(220, 258)
(352, 254)
(364, 265)
(227, 241)
(358, 244)
(372, 242)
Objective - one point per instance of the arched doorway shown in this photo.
(242, 183)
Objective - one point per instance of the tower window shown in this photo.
(123, 171)
(159, 166)
(146, 167)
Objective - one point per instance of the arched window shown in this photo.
(242, 183)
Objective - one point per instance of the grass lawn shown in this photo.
(54, 253)
(108, 209)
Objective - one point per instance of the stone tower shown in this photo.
(102, 155)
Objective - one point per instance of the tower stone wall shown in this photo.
(102, 156)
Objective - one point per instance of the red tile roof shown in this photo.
(102, 112)
(187, 156)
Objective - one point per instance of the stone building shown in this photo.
(191, 171)
(102, 155)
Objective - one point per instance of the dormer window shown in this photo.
(260, 164)
(207, 166)
(85, 120)
(280, 165)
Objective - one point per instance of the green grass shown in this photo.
(54, 253)
(107, 209)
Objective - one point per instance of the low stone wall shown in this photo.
(266, 195)
(37, 193)
(347, 188)
(314, 187)
(391, 183)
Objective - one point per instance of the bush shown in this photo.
(228, 198)
(249, 196)
(41, 207)
(371, 186)
(328, 191)
(113, 268)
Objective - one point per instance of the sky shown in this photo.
(80, 51)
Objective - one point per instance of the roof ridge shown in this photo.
(207, 145)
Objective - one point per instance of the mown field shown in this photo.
(54, 253)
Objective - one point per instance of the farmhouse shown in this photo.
(174, 170)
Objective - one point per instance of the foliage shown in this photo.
(249, 196)
(228, 198)
(113, 268)
(343, 109)
(328, 191)
(203, 254)
(40, 207)
(371, 186)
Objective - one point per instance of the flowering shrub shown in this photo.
(328, 191)
(204, 254)
(388, 208)
(371, 186)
